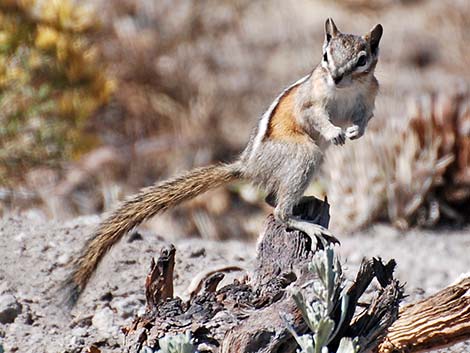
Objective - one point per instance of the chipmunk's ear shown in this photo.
(373, 37)
(330, 29)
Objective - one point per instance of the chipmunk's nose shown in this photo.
(337, 79)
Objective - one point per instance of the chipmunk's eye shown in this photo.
(325, 57)
(362, 61)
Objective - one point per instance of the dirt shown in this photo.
(34, 255)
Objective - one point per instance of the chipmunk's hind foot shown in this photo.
(318, 233)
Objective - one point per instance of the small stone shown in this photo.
(9, 308)
(134, 236)
(141, 311)
(28, 317)
(79, 332)
(76, 342)
(5, 286)
(63, 259)
(20, 237)
(198, 252)
(107, 297)
(103, 321)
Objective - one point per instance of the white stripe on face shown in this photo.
(331, 62)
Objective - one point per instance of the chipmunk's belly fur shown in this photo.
(343, 105)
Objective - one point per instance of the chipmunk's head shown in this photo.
(349, 58)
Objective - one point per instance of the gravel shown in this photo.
(9, 308)
(34, 256)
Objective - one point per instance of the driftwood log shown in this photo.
(435, 322)
(249, 315)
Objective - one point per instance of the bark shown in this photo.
(438, 321)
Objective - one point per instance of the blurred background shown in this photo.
(100, 98)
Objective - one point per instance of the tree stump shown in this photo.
(249, 315)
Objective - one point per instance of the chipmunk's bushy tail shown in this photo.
(147, 203)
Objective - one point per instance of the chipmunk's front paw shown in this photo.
(336, 135)
(354, 132)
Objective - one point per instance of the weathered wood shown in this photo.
(159, 282)
(245, 316)
(372, 323)
(438, 321)
(281, 251)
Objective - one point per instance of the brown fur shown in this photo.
(283, 125)
(147, 203)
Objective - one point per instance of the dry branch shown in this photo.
(438, 321)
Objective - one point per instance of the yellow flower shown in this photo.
(49, 10)
(34, 60)
(66, 104)
(67, 14)
(4, 39)
(82, 18)
(16, 74)
(62, 52)
(46, 37)
(90, 56)
(108, 89)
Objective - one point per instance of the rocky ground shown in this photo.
(34, 254)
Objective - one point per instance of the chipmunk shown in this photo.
(334, 102)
